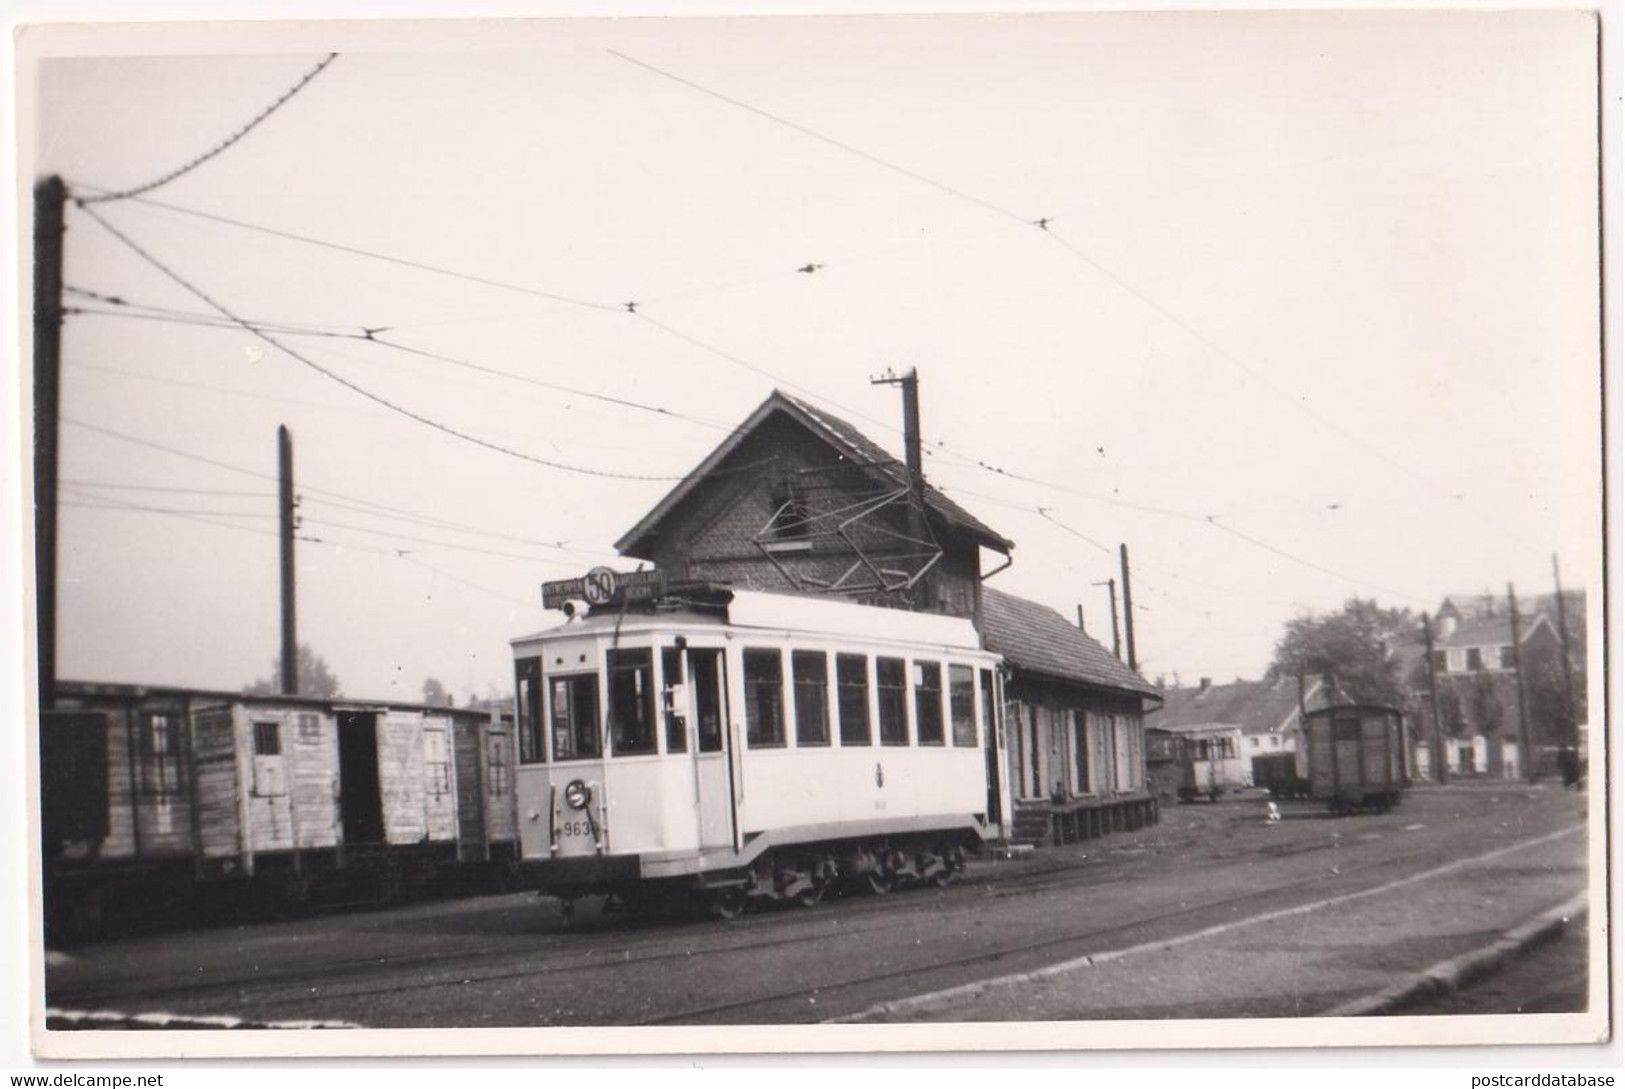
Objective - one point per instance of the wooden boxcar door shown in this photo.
(361, 805)
(712, 747)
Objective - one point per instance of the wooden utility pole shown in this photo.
(50, 201)
(1524, 746)
(1433, 700)
(285, 508)
(1128, 610)
(1117, 643)
(912, 454)
(1571, 734)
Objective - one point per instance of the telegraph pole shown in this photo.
(1117, 643)
(1571, 736)
(50, 201)
(1523, 704)
(1128, 610)
(285, 508)
(912, 454)
(1433, 699)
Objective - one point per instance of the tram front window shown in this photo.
(671, 670)
(631, 703)
(528, 683)
(574, 707)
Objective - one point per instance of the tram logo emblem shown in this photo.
(604, 586)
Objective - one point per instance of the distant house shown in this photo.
(1237, 724)
(796, 500)
(1475, 668)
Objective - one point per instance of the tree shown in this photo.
(435, 694)
(1353, 650)
(315, 677)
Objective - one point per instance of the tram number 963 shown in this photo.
(580, 828)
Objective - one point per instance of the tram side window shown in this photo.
(574, 702)
(764, 698)
(928, 702)
(671, 671)
(631, 702)
(810, 670)
(704, 667)
(528, 685)
(891, 686)
(852, 689)
(962, 704)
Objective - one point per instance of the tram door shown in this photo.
(713, 772)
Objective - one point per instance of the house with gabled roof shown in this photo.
(1246, 724)
(797, 500)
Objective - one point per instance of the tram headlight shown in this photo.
(577, 794)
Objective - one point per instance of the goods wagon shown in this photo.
(1280, 774)
(1356, 756)
(715, 750)
(148, 794)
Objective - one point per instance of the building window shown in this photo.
(791, 528)
(1475, 659)
(809, 669)
(528, 688)
(160, 755)
(928, 702)
(631, 703)
(671, 679)
(891, 685)
(852, 689)
(310, 728)
(267, 739)
(962, 704)
(574, 707)
(1509, 658)
(1253, 741)
(1441, 661)
(764, 698)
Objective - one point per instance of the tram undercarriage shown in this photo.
(799, 875)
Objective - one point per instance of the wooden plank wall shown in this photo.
(400, 774)
(499, 758)
(214, 762)
(439, 779)
(468, 737)
(314, 776)
(121, 841)
(267, 804)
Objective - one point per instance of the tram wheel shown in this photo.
(727, 904)
(809, 897)
(878, 882)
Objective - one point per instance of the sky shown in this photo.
(1313, 313)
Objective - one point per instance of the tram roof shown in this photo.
(784, 612)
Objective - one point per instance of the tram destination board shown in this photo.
(604, 586)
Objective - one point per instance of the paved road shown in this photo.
(510, 960)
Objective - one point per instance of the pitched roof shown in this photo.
(847, 440)
(1037, 638)
(1258, 707)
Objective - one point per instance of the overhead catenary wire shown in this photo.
(192, 164)
(421, 418)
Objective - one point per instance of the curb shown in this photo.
(1453, 974)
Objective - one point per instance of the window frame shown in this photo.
(844, 690)
(616, 667)
(673, 675)
(531, 724)
(161, 765)
(755, 689)
(930, 730)
(571, 681)
(890, 738)
(812, 688)
(961, 681)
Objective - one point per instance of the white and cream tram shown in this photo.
(719, 748)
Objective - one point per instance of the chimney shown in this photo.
(1207, 682)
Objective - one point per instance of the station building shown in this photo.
(797, 500)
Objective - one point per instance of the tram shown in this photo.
(697, 746)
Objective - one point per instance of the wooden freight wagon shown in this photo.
(148, 793)
(1356, 756)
